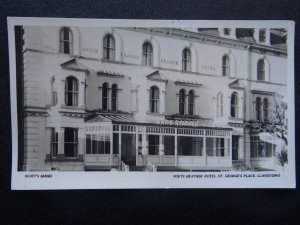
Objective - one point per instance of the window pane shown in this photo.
(71, 142)
(169, 142)
(209, 146)
(153, 144)
(88, 144)
(115, 143)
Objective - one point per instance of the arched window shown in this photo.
(109, 47)
(220, 105)
(186, 59)
(114, 89)
(105, 96)
(154, 99)
(66, 41)
(266, 109)
(191, 102)
(182, 102)
(234, 105)
(71, 91)
(225, 65)
(261, 70)
(147, 54)
(258, 108)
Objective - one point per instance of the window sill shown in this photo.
(111, 61)
(235, 118)
(155, 114)
(73, 107)
(62, 158)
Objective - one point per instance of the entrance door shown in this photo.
(128, 151)
(235, 147)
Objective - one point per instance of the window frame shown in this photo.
(186, 60)
(147, 54)
(75, 142)
(191, 103)
(260, 149)
(262, 35)
(220, 105)
(109, 47)
(105, 100)
(154, 99)
(53, 143)
(234, 105)
(258, 104)
(63, 41)
(261, 70)
(181, 101)
(266, 110)
(225, 66)
(73, 92)
(227, 31)
(114, 97)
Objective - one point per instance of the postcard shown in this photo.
(114, 104)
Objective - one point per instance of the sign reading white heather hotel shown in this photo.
(151, 104)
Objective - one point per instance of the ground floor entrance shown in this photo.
(128, 149)
(153, 146)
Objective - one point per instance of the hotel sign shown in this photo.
(179, 123)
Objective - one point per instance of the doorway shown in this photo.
(128, 149)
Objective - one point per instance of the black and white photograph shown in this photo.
(154, 104)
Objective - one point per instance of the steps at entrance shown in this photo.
(136, 168)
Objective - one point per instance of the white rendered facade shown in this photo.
(168, 98)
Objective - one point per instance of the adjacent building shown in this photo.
(160, 99)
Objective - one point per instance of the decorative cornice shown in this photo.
(261, 92)
(187, 83)
(212, 40)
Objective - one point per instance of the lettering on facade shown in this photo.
(169, 61)
(208, 67)
(130, 56)
(179, 123)
(90, 50)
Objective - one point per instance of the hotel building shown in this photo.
(158, 99)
